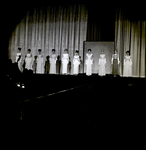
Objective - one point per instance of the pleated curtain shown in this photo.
(53, 27)
(130, 35)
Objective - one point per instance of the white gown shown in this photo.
(28, 61)
(89, 63)
(102, 62)
(127, 66)
(40, 64)
(53, 60)
(76, 63)
(19, 62)
(65, 61)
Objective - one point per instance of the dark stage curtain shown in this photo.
(57, 27)
(100, 25)
(130, 34)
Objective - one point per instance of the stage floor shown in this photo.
(83, 103)
(40, 85)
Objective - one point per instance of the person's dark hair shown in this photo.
(47, 57)
(19, 49)
(58, 57)
(77, 51)
(29, 50)
(39, 50)
(66, 50)
(53, 50)
(116, 51)
(128, 52)
(89, 50)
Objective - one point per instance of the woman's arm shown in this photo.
(112, 60)
(118, 59)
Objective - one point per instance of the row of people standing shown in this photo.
(51, 63)
(89, 63)
(28, 61)
(37, 66)
(50, 66)
(127, 65)
(127, 71)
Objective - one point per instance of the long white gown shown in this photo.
(89, 63)
(65, 61)
(76, 63)
(40, 64)
(102, 62)
(19, 62)
(127, 66)
(28, 61)
(53, 60)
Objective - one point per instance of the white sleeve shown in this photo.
(31, 59)
(130, 61)
(112, 60)
(55, 59)
(21, 59)
(118, 60)
(68, 58)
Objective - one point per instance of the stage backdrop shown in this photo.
(96, 48)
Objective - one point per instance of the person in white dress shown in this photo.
(127, 72)
(53, 60)
(28, 60)
(89, 62)
(76, 63)
(102, 63)
(65, 61)
(40, 63)
(19, 59)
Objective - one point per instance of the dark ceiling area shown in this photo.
(14, 12)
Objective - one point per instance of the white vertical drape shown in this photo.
(130, 35)
(46, 28)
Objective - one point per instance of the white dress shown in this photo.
(76, 63)
(19, 62)
(40, 64)
(28, 61)
(102, 62)
(65, 61)
(89, 63)
(127, 66)
(53, 60)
